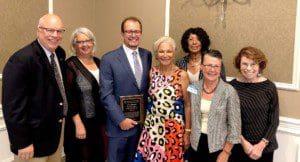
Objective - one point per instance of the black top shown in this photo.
(83, 100)
(259, 111)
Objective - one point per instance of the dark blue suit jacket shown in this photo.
(117, 79)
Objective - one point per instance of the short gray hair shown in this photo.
(85, 31)
(164, 39)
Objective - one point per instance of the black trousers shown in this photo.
(238, 155)
(202, 153)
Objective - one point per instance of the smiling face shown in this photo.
(132, 34)
(50, 31)
(194, 44)
(249, 69)
(83, 45)
(165, 54)
(211, 68)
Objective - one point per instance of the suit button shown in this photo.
(60, 120)
(60, 104)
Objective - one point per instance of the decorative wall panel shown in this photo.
(268, 25)
(18, 25)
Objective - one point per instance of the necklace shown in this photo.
(207, 92)
(166, 71)
(212, 91)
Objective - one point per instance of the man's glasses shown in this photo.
(131, 32)
(52, 31)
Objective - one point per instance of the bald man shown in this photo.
(34, 104)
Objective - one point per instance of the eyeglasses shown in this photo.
(131, 32)
(190, 40)
(245, 65)
(210, 66)
(52, 31)
(89, 41)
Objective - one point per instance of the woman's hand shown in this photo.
(80, 130)
(186, 140)
(79, 126)
(247, 146)
(257, 150)
(223, 156)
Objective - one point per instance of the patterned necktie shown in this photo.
(59, 83)
(137, 69)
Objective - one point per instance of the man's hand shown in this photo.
(26, 153)
(127, 124)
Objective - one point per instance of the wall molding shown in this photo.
(289, 125)
(8, 159)
(167, 18)
(279, 85)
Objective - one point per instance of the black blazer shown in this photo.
(32, 103)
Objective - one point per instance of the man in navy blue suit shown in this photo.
(124, 72)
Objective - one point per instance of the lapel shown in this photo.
(123, 61)
(216, 100)
(197, 100)
(60, 54)
(44, 62)
(85, 72)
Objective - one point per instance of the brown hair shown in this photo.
(132, 18)
(254, 54)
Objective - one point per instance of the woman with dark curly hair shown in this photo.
(259, 108)
(194, 42)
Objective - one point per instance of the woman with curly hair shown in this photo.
(194, 42)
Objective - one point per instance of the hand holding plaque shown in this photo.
(133, 107)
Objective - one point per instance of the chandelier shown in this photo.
(222, 6)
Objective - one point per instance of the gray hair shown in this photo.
(164, 39)
(85, 31)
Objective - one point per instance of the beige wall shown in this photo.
(110, 13)
(104, 17)
(18, 25)
(76, 13)
(268, 25)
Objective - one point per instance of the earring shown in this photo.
(259, 74)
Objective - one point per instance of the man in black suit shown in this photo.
(34, 98)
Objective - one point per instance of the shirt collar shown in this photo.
(48, 53)
(128, 50)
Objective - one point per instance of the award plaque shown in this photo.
(133, 107)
